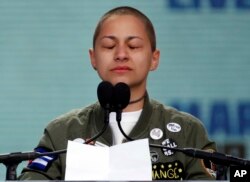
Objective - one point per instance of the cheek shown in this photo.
(102, 65)
(101, 69)
(143, 63)
(101, 61)
(102, 73)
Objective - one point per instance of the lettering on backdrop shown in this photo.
(213, 4)
(219, 117)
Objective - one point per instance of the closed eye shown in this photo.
(108, 47)
(134, 47)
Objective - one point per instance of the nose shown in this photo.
(121, 53)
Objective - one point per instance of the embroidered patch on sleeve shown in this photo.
(42, 163)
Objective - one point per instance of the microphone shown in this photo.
(215, 157)
(121, 100)
(104, 94)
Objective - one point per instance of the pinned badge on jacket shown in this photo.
(154, 156)
(173, 127)
(156, 133)
(169, 142)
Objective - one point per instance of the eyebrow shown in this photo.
(114, 38)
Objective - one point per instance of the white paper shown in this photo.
(128, 161)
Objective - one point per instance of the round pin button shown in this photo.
(156, 133)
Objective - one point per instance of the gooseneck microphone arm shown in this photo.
(98, 134)
(123, 133)
(121, 101)
(215, 157)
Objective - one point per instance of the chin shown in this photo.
(114, 82)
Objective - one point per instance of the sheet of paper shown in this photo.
(128, 161)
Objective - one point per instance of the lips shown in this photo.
(121, 69)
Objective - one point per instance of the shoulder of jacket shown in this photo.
(64, 119)
(175, 114)
(158, 106)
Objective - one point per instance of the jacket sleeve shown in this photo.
(198, 138)
(43, 168)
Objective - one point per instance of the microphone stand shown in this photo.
(118, 119)
(12, 160)
(216, 157)
(222, 161)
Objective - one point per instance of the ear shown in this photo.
(155, 60)
(92, 58)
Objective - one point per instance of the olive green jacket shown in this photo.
(160, 124)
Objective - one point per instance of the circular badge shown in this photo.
(156, 133)
(173, 127)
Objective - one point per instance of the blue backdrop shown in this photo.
(45, 69)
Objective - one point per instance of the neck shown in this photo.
(137, 100)
(136, 104)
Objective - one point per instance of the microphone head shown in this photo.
(121, 95)
(105, 93)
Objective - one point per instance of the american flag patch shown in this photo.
(42, 163)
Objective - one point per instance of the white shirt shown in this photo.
(129, 119)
